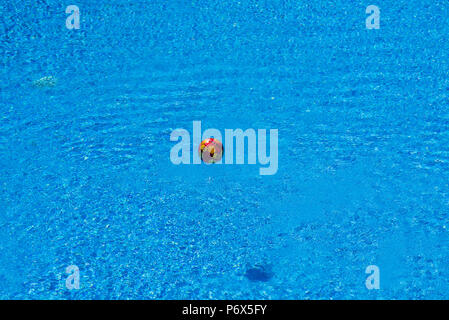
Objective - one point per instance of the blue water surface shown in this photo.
(85, 171)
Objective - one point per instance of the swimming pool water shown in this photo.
(86, 177)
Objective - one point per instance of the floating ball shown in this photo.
(211, 150)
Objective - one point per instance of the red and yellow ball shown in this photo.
(210, 150)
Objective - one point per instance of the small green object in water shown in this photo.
(45, 82)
